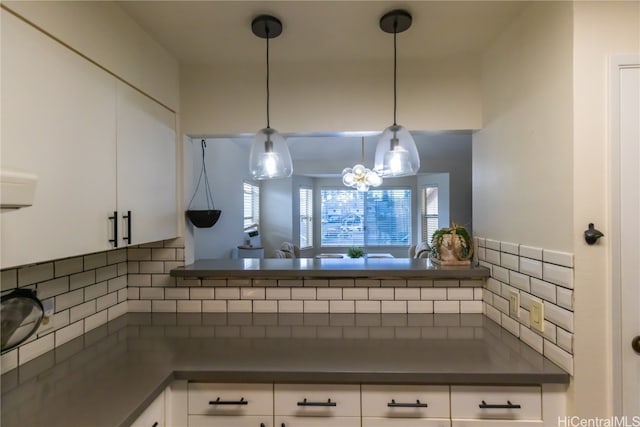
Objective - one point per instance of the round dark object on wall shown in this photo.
(21, 314)
(266, 26)
(395, 21)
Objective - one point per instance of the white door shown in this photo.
(626, 261)
(147, 184)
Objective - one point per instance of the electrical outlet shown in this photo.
(514, 304)
(536, 315)
(46, 322)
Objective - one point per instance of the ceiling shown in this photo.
(209, 32)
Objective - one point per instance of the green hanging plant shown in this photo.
(451, 244)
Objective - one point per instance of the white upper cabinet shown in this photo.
(58, 122)
(147, 183)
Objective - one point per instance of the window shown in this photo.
(429, 212)
(372, 218)
(306, 218)
(251, 204)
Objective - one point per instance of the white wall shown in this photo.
(324, 97)
(226, 186)
(102, 32)
(523, 156)
(600, 30)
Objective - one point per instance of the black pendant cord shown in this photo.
(395, 71)
(268, 94)
(203, 171)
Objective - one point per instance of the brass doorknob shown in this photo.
(635, 344)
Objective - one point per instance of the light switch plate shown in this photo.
(514, 304)
(536, 316)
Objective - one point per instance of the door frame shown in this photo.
(616, 63)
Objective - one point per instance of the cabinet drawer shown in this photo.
(405, 401)
(478, 402)
(317, 422)
(230, 399)
(232, 421)
(317, 400)
(406, 422)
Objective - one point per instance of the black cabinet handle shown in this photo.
(418, 404)
(115, 229)
(155, 424)
(327, 403)
(128, 236)
(262, 425)
(229, 402)
(509, 405)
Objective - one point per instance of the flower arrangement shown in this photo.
(451, 246)
(355, 252)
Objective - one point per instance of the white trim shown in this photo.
(617, 63)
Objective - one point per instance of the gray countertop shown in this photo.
(328, 267)
(108, 376)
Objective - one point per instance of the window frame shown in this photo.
(308, 216)
(255, 204)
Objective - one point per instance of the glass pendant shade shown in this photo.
(270, 157)
(396, 153)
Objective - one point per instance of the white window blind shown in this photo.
(306, 218)
(429, 212)
(372, 218)
(251, 204)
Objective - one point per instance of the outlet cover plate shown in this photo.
(536, 316)
(514, 304)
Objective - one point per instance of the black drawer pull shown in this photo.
(115, 229)
(509, 405)
(128, 218)
(229, 402)
(262, 425)
(418, 404)
(155, 424)
(327, 403)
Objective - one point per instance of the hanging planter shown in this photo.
(208, 217)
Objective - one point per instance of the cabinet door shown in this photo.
(153, 416)
(405, 422)
(317, 400)
(229, 421)
(282, 421)
(146, 152)
(58, 122)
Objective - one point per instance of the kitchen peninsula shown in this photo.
(309, 268)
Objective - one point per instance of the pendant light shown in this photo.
(396, 152)
(270, 157)
(360, 177)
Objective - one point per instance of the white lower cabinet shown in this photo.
(317, 405)
(154, 415)
(282, 421)
(492, 406)
(229, 421)
(404, 406)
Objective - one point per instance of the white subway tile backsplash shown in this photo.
(228, 293)
(492, 313)
(253, 293)
(367, 283)
(163, 306)
(316, 283)
(336, 306)
(433, 294)
(100, 318)
(189, 306)
(446, 307)
(304, 293)
(137, 306)
(559, 316)
(564, 259)
(509, 261)
(492, 244)
(106, 301)
(394, 307)
(239, 306)
(201, 293)
(564, 340)
(460, 294)
(214, 306)
(290, 306)
(487, 296)
(52, 288)
(477, 293)
(117, 283)
(520, 281)
(531, 252)
(265, 306)
(117, 310)
(94, 291)
(106, 273)
(525, 300)
(482, 254)
(381, 294)
(500, 273)
(550, 331)
(531, 339)
(9, 360)
(511, 248)
(543, 290)
(69, 299)
(81, 311)
(35, 273)
(333, 293)
(139, 280)
(177, 293)
(35, 348)
(9, 280)
(66, 267)
(510, 324)
(367, 306)
(421, 307)
(342, 283)
(559, 275)
(492, 256)
(152, 293)
(419, 283)
(122, 295)
(446, 283)
(558, 356)
(565, 298)
(70, 332)
(278, 293)
(493, 285)
(471, 307)
(501, 304)
(531, 267)
(354, 293)
(407, 294)
(95, 260)
(311, 306)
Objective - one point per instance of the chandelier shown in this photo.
(360, 177)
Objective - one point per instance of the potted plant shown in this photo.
(355, 252)
(451, 246)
